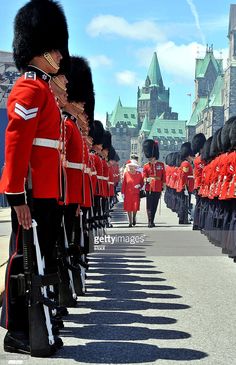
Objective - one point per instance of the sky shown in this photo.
(118, 37)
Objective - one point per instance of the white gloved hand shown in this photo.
(186, 192)
(148, 179)
(137, 186)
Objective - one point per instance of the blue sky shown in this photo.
(119, 38)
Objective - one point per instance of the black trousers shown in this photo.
(152, 200)
(15, 307)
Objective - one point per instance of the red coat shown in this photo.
(32, 113)
(132, 198)
(87, 186)
(111, 191)
(105, 174)
(156, 173)
(93, 171)
(73, 153)
(99, 169)
(197, 172)
(186, 176)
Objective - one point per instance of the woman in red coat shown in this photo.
(132, 183)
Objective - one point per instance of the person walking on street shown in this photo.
(132, 183)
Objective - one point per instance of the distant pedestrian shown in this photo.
(132, 183)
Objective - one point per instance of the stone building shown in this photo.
(153, 118)
(208, 110)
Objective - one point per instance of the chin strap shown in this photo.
(50, 60)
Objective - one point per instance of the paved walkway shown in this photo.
(163, 295)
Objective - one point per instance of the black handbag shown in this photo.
(142, 194)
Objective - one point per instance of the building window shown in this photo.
(173, 131)
(133, 116)
(158, 130)
(126, 115)
(166, 130)
(180, 131)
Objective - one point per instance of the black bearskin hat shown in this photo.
(186, 150)
(150, 148)
(205, 154)
(106, 143)
(80, 85)
(168, 159)
(219, 143)
(111, 154)
(225, 141)
(198, 142)
(214, 150)
(40, 26)
(97, 132)
(117, 157)
(232, 135)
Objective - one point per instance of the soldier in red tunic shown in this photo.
(32, 153)
(186, 182)
(197, 145)
(154, 178)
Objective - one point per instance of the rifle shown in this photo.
(41, 337)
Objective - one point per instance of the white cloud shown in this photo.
(126, 77)
(100, 60)
(178, 60)
(114, 25)
(196, 18)
(101, 117)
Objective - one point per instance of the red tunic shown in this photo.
(105, 174)
(73, 153)
(132, 199)
(98, 167)
(186, 177)
(93, 171)
(197, 172)
(111, 191)
(32, 113)
(87, 187)
(156, 173)
(230, 167)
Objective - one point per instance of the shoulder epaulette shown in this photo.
(30, 75)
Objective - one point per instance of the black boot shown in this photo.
(16, 342)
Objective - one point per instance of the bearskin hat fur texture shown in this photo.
(214, 150)
(97, 132)
(40, 26)
(225, 140)
(111, 154)
(186, 150)
(151, 148)
(232, 135)
(80, 85)
(198, 142)
(106, 144)
(205, 154)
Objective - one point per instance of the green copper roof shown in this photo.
(163, 128)
(154, 72)
(200, 106)
(145, 125)
(202, 65)
(123, 114)
(216, 94)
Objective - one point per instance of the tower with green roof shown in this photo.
(153, 97)
(207, 113)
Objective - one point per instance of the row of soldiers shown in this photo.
(212, 178)
(59, 178)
